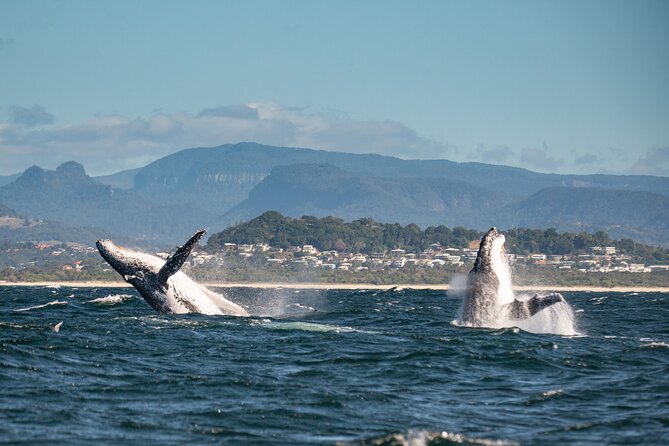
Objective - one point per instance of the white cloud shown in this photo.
(109, 143)
(106, 144)
(654, 162)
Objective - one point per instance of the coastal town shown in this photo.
(77, 257)
(600, 260)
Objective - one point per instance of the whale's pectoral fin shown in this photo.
(176, 260)
(538, 303)
(522, 309)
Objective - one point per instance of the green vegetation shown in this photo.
(367, 236)
(23, 261)
(549, 241)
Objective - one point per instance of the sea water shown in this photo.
(327, 367)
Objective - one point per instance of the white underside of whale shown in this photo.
(181, 288)
(184, 295)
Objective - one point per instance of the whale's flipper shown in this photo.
(176, 260)
(523, 309)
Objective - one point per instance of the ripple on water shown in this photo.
(117, 372)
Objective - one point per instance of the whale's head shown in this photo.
(491, 250)
(136, 268)
(488, 283)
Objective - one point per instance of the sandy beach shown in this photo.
(348, 286)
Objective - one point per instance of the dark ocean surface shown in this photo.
(327, 367)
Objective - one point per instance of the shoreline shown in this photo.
(346, 286)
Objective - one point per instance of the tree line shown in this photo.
(368, 236)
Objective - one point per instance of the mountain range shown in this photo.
(168, 199)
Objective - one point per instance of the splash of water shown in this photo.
(556, 319)
(111, 299)
(501, 266)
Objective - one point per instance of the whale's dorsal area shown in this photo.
(161, 283)
(489, 297)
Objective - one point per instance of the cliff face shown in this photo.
(216, 187)
(69, 196)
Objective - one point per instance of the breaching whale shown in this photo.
(489, 298)
(162, 285)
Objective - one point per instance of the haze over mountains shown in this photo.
(165, 201)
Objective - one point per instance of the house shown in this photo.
(309, 249)
(399, 263)
(275, 261)
(659, 267)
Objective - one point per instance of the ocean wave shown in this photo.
(307, 326)
(655, 345)
(425, 438)
(303, 307)
(111, 299)
(652, 343)
(48, 304)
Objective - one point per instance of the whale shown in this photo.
(489, 297)
(161, 283)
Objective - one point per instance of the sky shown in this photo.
(552, 86)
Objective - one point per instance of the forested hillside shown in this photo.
(368, 236)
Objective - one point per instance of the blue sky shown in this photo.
(563, 86)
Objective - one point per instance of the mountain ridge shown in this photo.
(67, 195)
(217, 186)
(223, 176)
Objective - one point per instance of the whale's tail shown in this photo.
(176, 260)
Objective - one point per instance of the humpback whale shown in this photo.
(489, 298)
(162, 285)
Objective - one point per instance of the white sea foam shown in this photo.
(655, 345)
(308, 326)
(303, 307)
(281, 303)
(48, 304)
(551, 393)
(111, 299)
(556, 319)
(424, 438)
